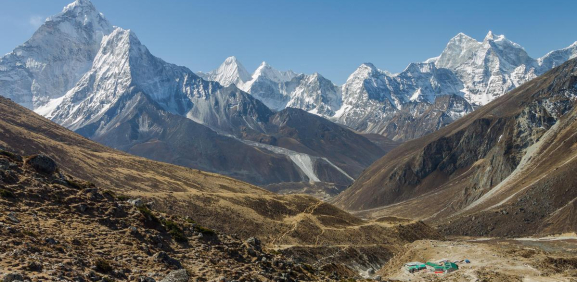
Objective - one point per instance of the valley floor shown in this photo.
(526, 259)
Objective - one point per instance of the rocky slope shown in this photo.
(373, 100)
(504, 170)
(214, 201)
(55, 227)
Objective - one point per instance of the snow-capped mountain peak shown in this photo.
(419, 67)
(231, 61)
(78, 4)
(501, 42)
(102, 85)
(84, 13)
(365, 70)
(463, 50)
(365, 83)
(463, 40)
(460, 49)
(316, 75)
(281, 89)
(231, 71)
(51, 62)
(120, 43)
(557, 57)
(124, 67)
(367, 66)
(487, 69)
(267, 71)
(489, 36)
(498, 38)
(313, 93)
(461, 37)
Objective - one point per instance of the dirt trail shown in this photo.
(298, 218)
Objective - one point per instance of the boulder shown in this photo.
(34, 266)
(8, 176)
(166, 259)
(12, 217)
(176, 276)
(4, 164)
(136, 202)
(13, 277)
(82, 207)
(50, 241)
(42, 163)
(254, 242)
(133, 230)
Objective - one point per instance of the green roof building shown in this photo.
(445, 267)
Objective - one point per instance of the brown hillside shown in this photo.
(55, 228)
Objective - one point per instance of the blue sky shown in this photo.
(326, 36)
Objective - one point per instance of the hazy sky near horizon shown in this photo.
(326, 36)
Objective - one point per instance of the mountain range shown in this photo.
(405, 105)
(103, 83)
(277, 129)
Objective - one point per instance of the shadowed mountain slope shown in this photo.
(505, 169)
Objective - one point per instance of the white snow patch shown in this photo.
(306, 164)
(48, 109)
(339, 169)
(143, 124)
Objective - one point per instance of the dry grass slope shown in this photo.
(55, 228)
